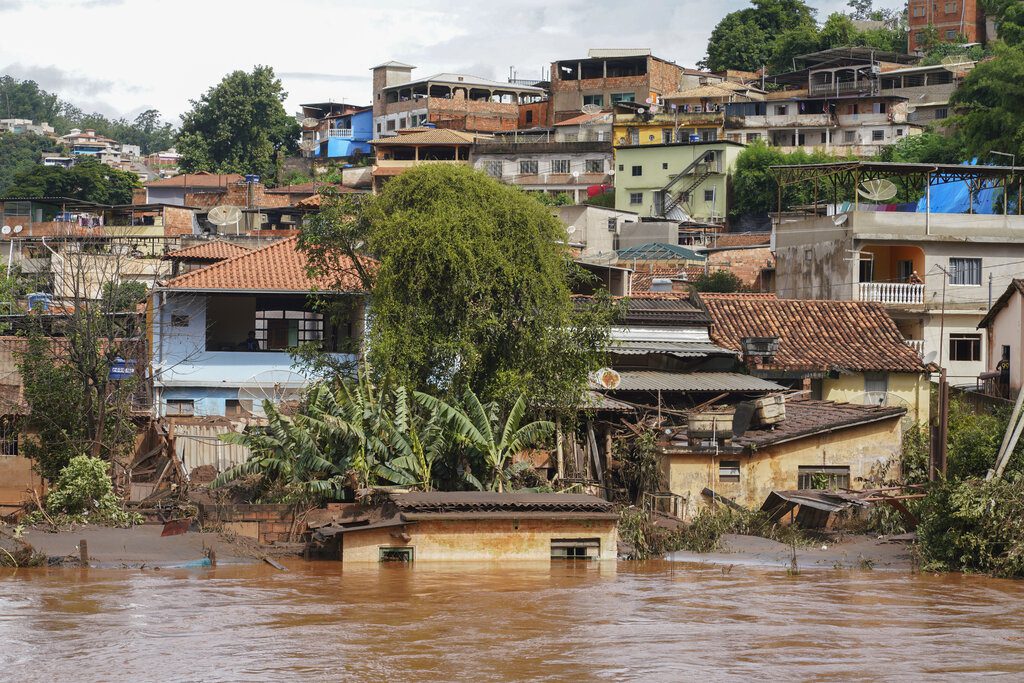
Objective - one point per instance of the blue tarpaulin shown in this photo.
(954, 197)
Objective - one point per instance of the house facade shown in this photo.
(1004, 324)
(954, 21)
(546, 167)
(221, 336)
(396, 154)
(676, 180)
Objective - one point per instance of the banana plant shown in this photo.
(476, 426)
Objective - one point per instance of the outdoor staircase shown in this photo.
(697, 172)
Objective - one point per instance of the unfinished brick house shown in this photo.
(445, 100)
(606, 77)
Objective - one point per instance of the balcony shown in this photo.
(409, 163)
(896, 293)
(338, 133)
(917, 345)
(840, 88)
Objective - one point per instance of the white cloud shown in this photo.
(322, 49)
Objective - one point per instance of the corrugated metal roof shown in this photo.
(594, 400)
(679, 349)
(483, 501)
(655, 380)
(613, 52)
(200, 444)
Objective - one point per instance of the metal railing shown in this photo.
(338, 133)
(891, 292)
(839, 88)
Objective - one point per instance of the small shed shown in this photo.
(477, 526)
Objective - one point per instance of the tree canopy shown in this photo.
(88, 179)
(1009, 19)
(239, 126)
(990, 104)
(20, 152)
(754, 189)
(772, 33)
(472, 290)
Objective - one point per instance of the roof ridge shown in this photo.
(226, 262)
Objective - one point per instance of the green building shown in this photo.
(676, 180)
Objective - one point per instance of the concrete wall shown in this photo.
(1006, 330)
(500, 540)
(16, 480)
(591, 226)
(909, 390)
(875, 445)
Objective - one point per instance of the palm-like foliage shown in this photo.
(477, 426)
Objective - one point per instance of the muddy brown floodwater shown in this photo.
(627, 621)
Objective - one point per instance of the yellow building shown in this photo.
(819, 445)
(444, 526)
(848, 351)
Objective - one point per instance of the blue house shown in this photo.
(221, 336)
(347, 135)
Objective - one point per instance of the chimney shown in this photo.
(759, 350)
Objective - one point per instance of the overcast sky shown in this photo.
(120, 57)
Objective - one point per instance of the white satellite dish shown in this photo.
(310, 122)
(930, 357)
(6, 230)
(877, 190)
(575, 174)
(591, 109)
(840, 219)
(611, 171)
(570, 230)
(649, 101)
(607, 378)
(280, 387)
(640, 110)
(655, 109)
(308, 145)
(225, 215)
(18, 228)
(957, 64)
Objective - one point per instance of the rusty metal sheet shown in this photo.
(176, 527)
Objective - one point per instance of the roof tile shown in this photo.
(217, 250)
(814, 335)
(806, 417)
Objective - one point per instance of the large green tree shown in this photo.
(754, 188)
(990, 104)
(472, 290)
(1009, 19)
(20, 152)
(239, 126)
(88, 179)
(745, 39)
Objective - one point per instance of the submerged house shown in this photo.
(816, 445)
(475, 526)
(221, 336)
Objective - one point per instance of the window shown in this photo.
(636, 197)
(709, 195)
(877, 135)
(527, 168)
(664, 166)
(965, 347)
(919, 36)
(575, 548)
(808, 254)
(623, 97)
(919, 12)
(753, 136)
(965, 271)
(234, 407)
(638, 170)
(560, 166)
(709, 135)
(904, 269)
(950, 7)
(729, 471)
(177, 406)
(8, 436)
(596, 100)
(494, 169)
(824, 137)
(390, 554)
(781, 109)
(401, 122)
(529, 116)
(179, 320)
(848, 136)
(390, 125)
(634, 136)
(666, 135)
(823, 477)
(942, 113)
(281, 330)
(378, 125)
(899, 132)
(950, 35)
(594, 165)
(876, 386)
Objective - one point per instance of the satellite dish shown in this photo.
(911, 110)
(957, 64)
(283, 388)
(225, 215)
(575, 174)
(591, 109)
(611, 171)
(930, 357)
(18, 228)
(310, 122)
(6, 230)
(607, 378)
(570, 230)
(308, 145)
(640, 110)
(655, 109)
(649, 101)
(877, 190)
(840, 219)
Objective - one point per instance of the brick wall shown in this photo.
(273, 522)
(973, 25)
(746, 264)
(539, 114)
(459, 113)
(177, 221)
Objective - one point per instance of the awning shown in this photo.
(655, 380)
(677, 349)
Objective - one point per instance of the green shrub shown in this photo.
(84, 492)
(974, 525)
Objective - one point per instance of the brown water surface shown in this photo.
(653, 621)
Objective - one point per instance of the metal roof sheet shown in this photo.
(678, 349)
(656, 380)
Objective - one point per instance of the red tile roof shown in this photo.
(814, 336)
(200, 179)
(279, 267)
(217, 250)
(806, 417)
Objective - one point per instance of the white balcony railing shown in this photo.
(891, 292)
(917, 345)
(338, 133)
